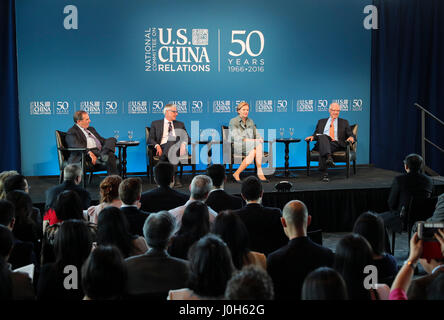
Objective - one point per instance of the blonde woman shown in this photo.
(246, 141)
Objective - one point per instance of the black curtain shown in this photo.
(9, 121)
(407, 67)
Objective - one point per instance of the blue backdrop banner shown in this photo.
(122, 61)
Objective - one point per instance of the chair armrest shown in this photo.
(72, 149)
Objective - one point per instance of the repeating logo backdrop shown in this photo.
(122, 61)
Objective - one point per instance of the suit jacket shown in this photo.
(136, 219)
(344, 130)
(438, 214)
(418, 287)
(156, 131)
(162, 198)
(220, 200)
(156, 272)
(52, 193)
(289, 265)
(264, 227)
(75, 138)
(407, 185)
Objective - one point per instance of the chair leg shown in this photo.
(348, 169)
(181, 171)
(61, 177)
(308, 168)
(90, 177)
(354, 166)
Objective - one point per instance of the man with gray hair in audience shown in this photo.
(200, 188)
(289, 265)
(72, 177)
(154, 273)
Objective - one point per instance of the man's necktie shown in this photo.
(98, 144)
(332, 130)
(170, 129)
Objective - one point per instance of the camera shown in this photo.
(431, 246)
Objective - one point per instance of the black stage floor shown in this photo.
(334, 206)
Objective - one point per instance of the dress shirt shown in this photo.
(327, 127)
(90, 142)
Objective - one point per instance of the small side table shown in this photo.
(287, 142)
(122, 145)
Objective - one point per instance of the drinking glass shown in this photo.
(281, 132)
(291, 133)
(116, 134)
(130, 135)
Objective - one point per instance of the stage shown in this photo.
(334, 206)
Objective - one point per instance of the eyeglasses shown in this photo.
(173, 111)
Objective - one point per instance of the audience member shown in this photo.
(129, 193)
(263, 223)
(68, 206)
(61, 280)
(438, 214)
(210, 269)
(195, 224)
(13, 285)
(164, 197)
(232, 230)
(250, 283)
(199, 189)
(109, 196)
(72, 177)
(28, 224)
(436, 289)
(22, 253)
(353, 254)
(371, 227)
(153, 274)
(16, 182)
(289, 265)
(218, 199)
(324, 283)
(113, 229)
(3, 176)
(104, 274)
(420, 286)
(401, 284)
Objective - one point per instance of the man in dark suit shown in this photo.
(163, 197)
(289, 265)
(100, 150)
(154, 273)
(263, 223)
(412, 184)
(332, 134)
(72, 177)
(130, 190)
(218, 199)
(169, 137)
(438, 214)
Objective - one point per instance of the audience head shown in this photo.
(16, 182)
(6, 242)
(210, 266)
(130, 190)
(104, 274)
(109, 188)
(23, 206)
(200, 187)
(217, 174)
(7, 214)
(68, 205)
(353, 254)
(158, 229)
(73, 243)
(295, 218)
(113, 229)
(371, 227)
(230, 227)
(195, 219)
(250, 283)
(413, 162)
(72, 172)
(324, 284)
(3, 176)
(164, 174)
(251, 189)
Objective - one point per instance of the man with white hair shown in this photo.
(200, 188)
(169, 136)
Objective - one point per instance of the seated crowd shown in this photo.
(163, 244)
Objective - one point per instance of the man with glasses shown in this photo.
(169, 136)
(331, 135)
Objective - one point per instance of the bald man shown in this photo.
(289, 265)
(331, 134)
